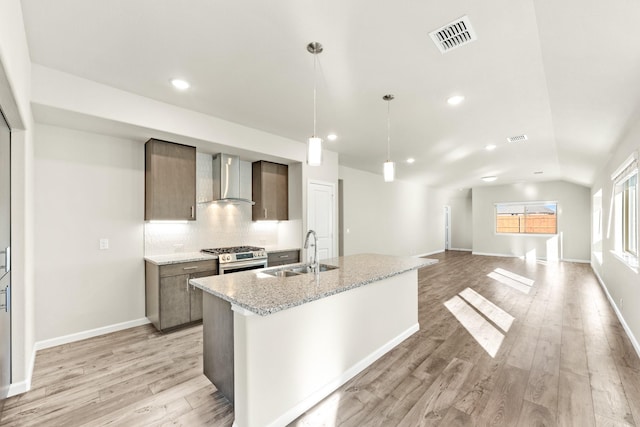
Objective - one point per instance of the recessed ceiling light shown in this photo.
(455, 100)
(332, 137)
(490, 147)
(538, 173)
(180, 84)
(411, 160)
(489, 178)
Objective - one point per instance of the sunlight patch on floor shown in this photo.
(487, 335)
(324, 414)
(491, 311)
(511, 279)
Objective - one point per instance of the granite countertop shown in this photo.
(264, 294)
(179, 257)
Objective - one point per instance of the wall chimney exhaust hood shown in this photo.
(225, 182)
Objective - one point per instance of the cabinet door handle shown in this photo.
(187, 282)
(190, 268)
(192, 212)
(284, 256)
(265, 213)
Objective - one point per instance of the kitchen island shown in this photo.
(275, 346)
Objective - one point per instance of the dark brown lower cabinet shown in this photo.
(217, 344)
(170, 301)
(275, 259)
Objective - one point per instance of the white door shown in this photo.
(447, 228)
(320, 216)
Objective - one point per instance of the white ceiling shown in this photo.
(563, 72)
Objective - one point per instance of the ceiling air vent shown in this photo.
(517, 138)
(453, 35)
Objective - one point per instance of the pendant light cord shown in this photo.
(388, 131)
(315, 59)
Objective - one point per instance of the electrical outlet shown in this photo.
(104, 244)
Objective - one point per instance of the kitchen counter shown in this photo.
(179, 257)
(264, 294)
(303, 335)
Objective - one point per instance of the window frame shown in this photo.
(524, 205)
(628, 207)
(623, 206)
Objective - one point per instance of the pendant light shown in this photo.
(389, 167)
(314, 145)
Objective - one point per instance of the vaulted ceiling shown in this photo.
(565, 73)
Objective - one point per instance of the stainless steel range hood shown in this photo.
(225, 180)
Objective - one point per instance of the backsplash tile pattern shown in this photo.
(217, 225)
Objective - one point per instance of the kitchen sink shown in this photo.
(282, 273)
(297, 270)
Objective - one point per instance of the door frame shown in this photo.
(447, 227)
(310, 182)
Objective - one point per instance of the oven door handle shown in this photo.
(241, 264)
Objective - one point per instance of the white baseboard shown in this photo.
(500, 255)
(65, 339)
(461, 249)
(24, 386)
(632, 337)
(429, 253)
(523, 257)
(316, 397)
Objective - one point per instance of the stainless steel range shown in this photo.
(239, 258)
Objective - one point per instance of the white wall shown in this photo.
(396, 218)
(15, 86)
(622, 282)
(460, 202)
(572, 241)
(87, 187)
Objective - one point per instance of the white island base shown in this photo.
(288, 361)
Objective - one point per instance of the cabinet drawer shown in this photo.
(282, 258)
(188, 268)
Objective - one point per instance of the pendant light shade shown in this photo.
(389, 167)
(314, 151)
(389, 170)
(314, 144)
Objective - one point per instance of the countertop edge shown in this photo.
(179, 258)
(272, 310)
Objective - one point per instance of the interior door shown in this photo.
(447, 228)
(5, 258)
(320, 218)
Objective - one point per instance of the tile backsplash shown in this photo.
(219, 225)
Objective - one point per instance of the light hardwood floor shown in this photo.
(494, 348)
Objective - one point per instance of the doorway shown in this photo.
(447, 228)
(321, 216)
(5, 259)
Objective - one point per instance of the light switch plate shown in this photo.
(104, 244)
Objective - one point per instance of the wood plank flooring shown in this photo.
(494, 348)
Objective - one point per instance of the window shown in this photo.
(527, 218)
(626, 209)
(630, 215)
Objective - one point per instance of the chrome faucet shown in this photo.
(316, 264)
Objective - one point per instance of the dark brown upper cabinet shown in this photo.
(170, 181)
(270, 191)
